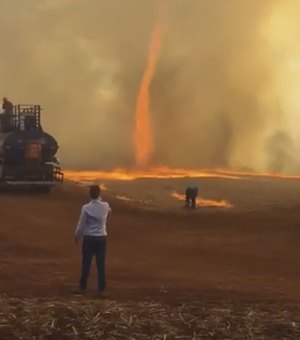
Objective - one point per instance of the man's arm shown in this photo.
(81, 224)
(108, 209)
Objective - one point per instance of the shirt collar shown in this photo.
(97, 200)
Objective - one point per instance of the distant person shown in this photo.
(7, 106)
(191, 194)
(6, 116)
(92, 228)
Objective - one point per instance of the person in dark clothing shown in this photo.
(7, 115)
(191, 194)
(92, 227)
(7, 106)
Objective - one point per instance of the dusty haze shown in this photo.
(225, 92)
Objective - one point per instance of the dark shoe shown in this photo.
(78, 291)
(102, 294)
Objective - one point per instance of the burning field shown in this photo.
(165, 94)
(164, 189)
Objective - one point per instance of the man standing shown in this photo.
(7, 106)
(6, 117)
(191, 194)
(92, 227)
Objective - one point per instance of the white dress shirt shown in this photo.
(92, 220)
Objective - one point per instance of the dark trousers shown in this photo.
(93, 246)
(190, 202)
(190, 197)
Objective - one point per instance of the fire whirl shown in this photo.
(143, 132)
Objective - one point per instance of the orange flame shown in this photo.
(143, 133)
(165, 173)
(128, 199)
(157, 172)
(203, 202)
(124, 198)
(85, 182)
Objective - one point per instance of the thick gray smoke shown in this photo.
(214, 103)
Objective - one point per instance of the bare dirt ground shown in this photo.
(248, 258)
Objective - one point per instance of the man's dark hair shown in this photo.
(95, 191)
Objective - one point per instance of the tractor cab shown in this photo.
(23, 118)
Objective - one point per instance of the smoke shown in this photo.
(282, 152)
(218, 99)
(226, 82)
(82, 61)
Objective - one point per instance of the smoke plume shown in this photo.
(227, 79)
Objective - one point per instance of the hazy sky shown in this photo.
(225, 93)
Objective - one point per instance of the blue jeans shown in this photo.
(93, 246)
